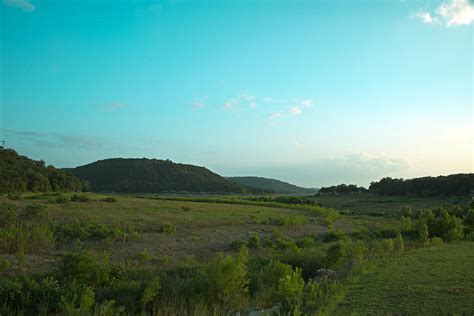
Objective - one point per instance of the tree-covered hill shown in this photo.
(455, 184)
(154, 176)
(19, 173)
(276, 186)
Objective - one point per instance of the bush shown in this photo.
(185, 208)
(436, 241)
(398, 244)
(254, 241)
(92, 230)
(168, 228)
(343, 252)
(14, 196)
(61, 200)
(290, 292)
(295, 220)
(227, 280)
(26, 239)
(236, 245)
(110, 199)
(81, 198)
(333, 236)
(85, 269)
(34, 212)
(8, 215)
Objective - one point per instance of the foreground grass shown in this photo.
(425, 281)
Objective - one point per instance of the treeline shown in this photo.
(342, 189)
(155, 176)
(19, 174)
(452, 185)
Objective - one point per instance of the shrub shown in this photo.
(109, 199)
(290, 292)
(422, 228)
(305, 242)
(343, 252)
(81, 198)
(407, 212)
(90, 230)
(227, 280)
(61, 200)
(26, 239)
(333, 236)
(185, 208)
(436, 241)
(85, 269)
(14, 196)
(8, 215)
(34, 212)
(254, 241)
(236, 245)
(398, 244)
(295, 220)
(168, 228)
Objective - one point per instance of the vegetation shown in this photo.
(342, 189)
(21, 174)
(272, 185)
(154, 176)
(452, 185)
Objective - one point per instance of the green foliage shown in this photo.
(344, 251)
(34, 212)
(423, 232)
(295, 220)
(168, 228)
(227, 279)
(398, 244)
(110, 199)
(8, 215)
(455, 184)
(290, 292)
(406, 211)
(185, 208)
(81, 198)
(93, 230)
(14, 196)
(26, 239)
(254, 241)
(19, 174)
(342, 189)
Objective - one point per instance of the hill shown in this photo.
(20, 173)
(461, 184)
(276, 186)
(143, 175)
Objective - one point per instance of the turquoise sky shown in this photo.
(311, 92)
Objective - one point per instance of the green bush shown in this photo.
(61, 200)
(168, 228)
(81, 198)
(295, 220)
(343, 252)
(227, 282)
(236, 245)
(290, 292)
(8, 215)
(92, 230)
(185, 208)
(34, 212)
(26, 239)
(398, 244)
(110, 199)
(14, 196)
(254, 241)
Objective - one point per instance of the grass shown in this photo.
(372, 204)
(426, 281)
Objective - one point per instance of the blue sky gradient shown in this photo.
(311, 92)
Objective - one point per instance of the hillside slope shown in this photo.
(153, 176)
(273, 185)
(20, 173)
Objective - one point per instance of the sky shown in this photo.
(311, 92)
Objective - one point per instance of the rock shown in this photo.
(323, 273)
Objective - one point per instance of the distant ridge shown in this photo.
(276, 186)
(142, 175)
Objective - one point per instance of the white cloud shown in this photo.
(25, 5)
(295, 111)
(230, 104)
(275, 115)
(252, 105)
(455, 12)
(425, 17)
(458, 12)
(307, 102)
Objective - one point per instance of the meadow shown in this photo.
(92, 254)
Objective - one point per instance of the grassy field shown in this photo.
(176, 240)
(426, 281)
